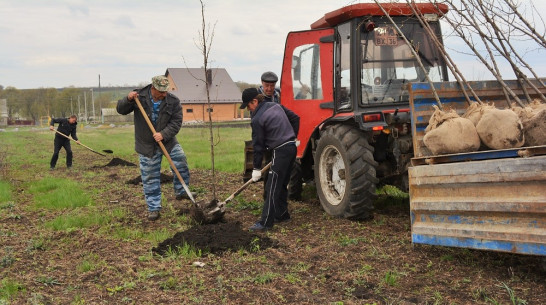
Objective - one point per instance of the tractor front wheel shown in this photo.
(345, 172)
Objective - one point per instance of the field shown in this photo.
(81, 236)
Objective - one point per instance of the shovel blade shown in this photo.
(208, 213)
(108, 151)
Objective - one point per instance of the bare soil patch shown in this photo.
(118, 162)
(215, 239)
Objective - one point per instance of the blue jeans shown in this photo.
(150, 169)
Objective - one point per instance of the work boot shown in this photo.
(185, 196)
(258, 227)
(153, 215)
(51, 168)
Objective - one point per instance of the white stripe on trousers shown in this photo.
(272, 188)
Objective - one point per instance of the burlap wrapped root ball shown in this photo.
(447, 133)
(500, 129)
(533, 120)
(475, 111)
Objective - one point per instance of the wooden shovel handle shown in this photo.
(62, 134)
(145, 115)
(249, 182)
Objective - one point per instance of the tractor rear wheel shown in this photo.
(345, 172)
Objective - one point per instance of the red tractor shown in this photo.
(347, 79)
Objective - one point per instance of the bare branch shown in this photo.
(539, 38)
(206, 36)
(450, 63)
(493, 69)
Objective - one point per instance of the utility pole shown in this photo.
(100, 105)
(93, 103)
(85, 103)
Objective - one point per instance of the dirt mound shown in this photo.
(204, 212)
(500, 129)
(447, 133)
(215, 238)
(117, 162)
(163, 178)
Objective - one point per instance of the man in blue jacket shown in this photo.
(274, 129)
(165, 113)
(67, 127)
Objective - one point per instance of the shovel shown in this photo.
(220, 208)
(165, 153)
(105, 150)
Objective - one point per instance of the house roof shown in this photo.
(189, 86)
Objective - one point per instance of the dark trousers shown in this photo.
(276, 189)
(59, 143)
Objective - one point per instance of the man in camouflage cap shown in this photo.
(165, 112)
(160, 83)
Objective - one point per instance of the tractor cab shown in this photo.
(385, 63)
(347, 78)
(372, 63)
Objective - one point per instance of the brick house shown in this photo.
(188, 85)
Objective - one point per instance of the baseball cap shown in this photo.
(248, 95)
(160, 83)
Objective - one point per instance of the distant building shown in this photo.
(111, 115)
(189, 86)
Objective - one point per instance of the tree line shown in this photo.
(32, 104)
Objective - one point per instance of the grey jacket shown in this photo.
(168, 122)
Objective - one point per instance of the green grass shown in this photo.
(228, 149)
(58, 193)
(254, 206)
(265, 278)
(185, 251)
(391, 278)
(91, 262)
(38, 145)
(5, 192)
(9, 289)
(125, 233)
(81, 220)
(389, 195)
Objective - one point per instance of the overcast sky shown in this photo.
(60, 43)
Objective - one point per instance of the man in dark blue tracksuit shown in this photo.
(274, 129)
(67, 127)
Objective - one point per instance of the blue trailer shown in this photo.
(489, 200)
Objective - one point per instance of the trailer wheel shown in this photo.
(345, 173)
(296, 182)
